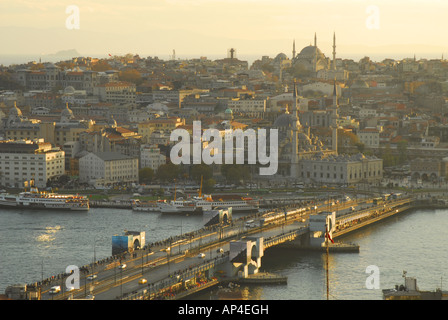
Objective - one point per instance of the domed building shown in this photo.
(228, 114)
(67, 114)
(304, 157)
(311, 58)
(295, 142)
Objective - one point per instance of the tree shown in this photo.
(402, 148)
(168, 172)
(235, 172)
(145, 175)
(130, 75)
(208, 185)
(102, 65)
(201, 170)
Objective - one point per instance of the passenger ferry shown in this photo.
(34, 199)
(203, 203)
(149, 206)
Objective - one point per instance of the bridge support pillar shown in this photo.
(245, 256)
(319, 224)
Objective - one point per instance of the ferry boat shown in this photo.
(410, 291)
(34, 199)
(148, 206)
(204, 203)
(238, 205)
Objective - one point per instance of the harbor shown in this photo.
(253, 278)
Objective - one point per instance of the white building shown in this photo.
(107, 169)
(248, 106)
(150, 157)
(119, 92)
(27, 160)
(370, 137)
(342, 169)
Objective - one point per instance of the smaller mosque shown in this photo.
(18, 127)
(303, 157)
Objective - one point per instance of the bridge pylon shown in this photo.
(320, 223)
(245, 256)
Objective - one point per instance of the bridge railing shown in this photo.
(156, 289)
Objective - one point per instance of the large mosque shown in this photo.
(313, 60)
(303, 157)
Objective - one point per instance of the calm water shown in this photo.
(32, 241)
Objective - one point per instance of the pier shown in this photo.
(224, 253)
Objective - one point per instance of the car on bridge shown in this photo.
(142, 281)
(92, 276)
(123, 266)
(201, 255)
(55, 289)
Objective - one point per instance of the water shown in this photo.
(32, 241)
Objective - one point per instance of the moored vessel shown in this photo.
(410, 291)
(34, 199)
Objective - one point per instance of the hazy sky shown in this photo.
(211, 27)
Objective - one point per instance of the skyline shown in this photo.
(192, 27)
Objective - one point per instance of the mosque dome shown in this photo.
(69, 90)
(310, 52)
(280, 56)
(228, 111)
(15, 111)
(282, 121)
(66, 114)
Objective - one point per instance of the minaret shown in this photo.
(295, 137)
(315, 52)
(335, 96)
(334, 118)
(294, 48)
(334, 51)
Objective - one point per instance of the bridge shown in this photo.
(230, 250)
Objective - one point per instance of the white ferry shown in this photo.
(206, 202)
(238, 205)
(34, 199)
(150, 206)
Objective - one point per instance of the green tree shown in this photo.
(208, 185)
(234, 173)
(168, 172)
(402, 148)
(145, 175)
(201, 170)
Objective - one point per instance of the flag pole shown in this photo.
(326, 244)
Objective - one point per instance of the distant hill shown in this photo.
(63, 54)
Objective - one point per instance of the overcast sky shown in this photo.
(211, 27)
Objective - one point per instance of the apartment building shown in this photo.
(26, 160)
(150, 157)
(108, 169)
(118, 92)
(370, 137)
